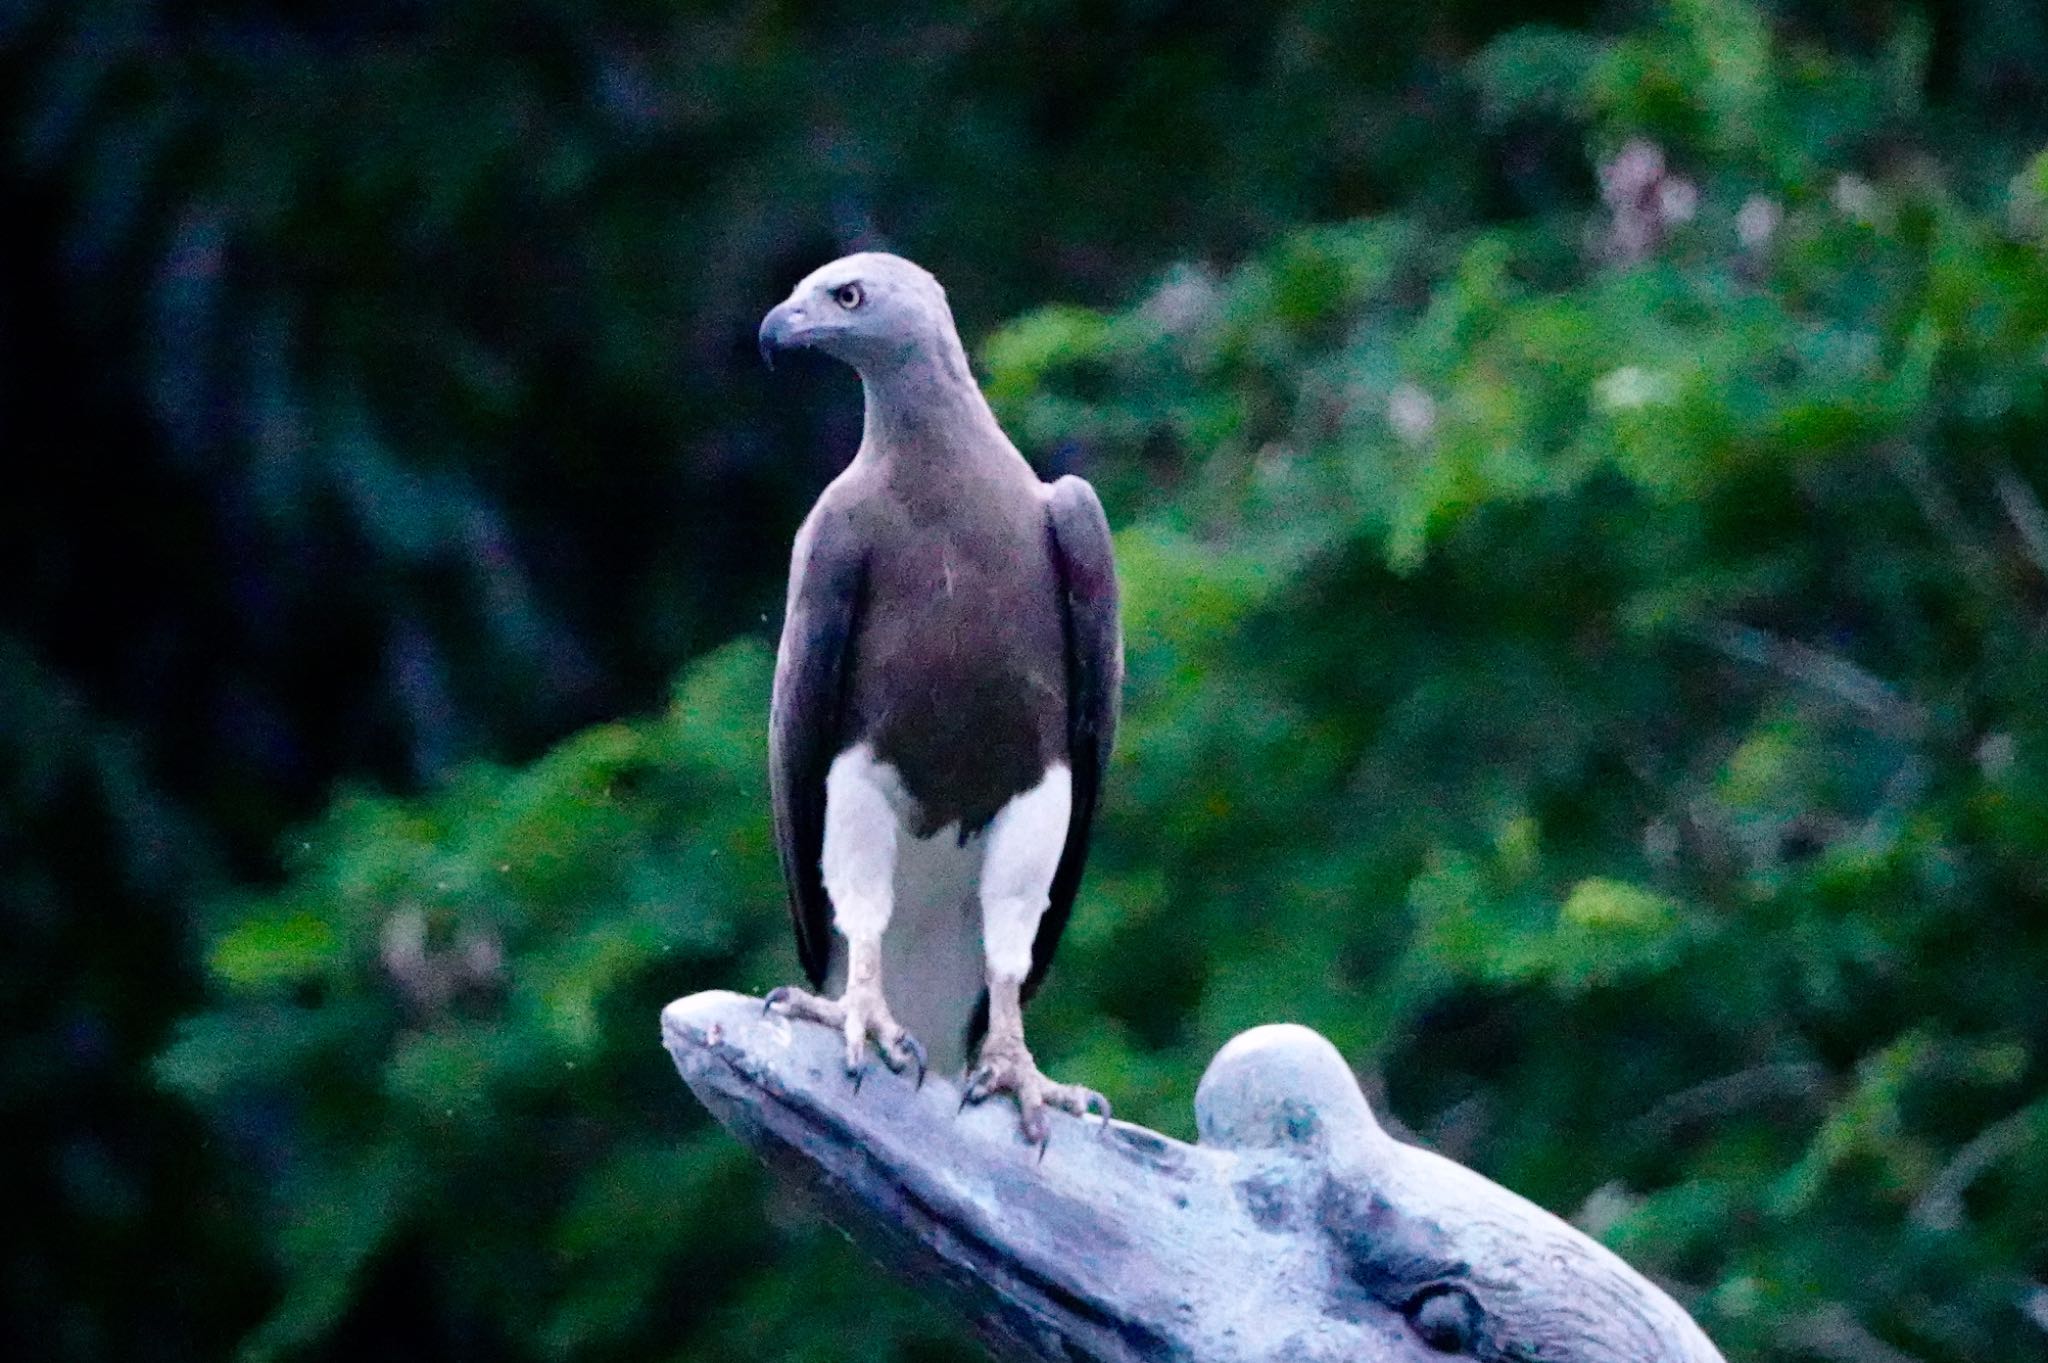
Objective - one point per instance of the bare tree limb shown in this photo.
(1940, 1207)
(1717, 1097)
(1864, 692)
(1834, 1333)
(2034, 1305)
(1944, 515)
(2024, 510)
(1296, 1231)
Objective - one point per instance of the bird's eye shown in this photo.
(849, 296)
(1444, 1317)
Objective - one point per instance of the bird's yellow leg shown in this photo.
(860, 1012)
(1006, 1066)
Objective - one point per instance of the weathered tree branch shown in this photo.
(1297, 1229)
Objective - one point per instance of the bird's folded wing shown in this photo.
(1085, 558)
(805, 717)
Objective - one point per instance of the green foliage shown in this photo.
(1588, 663)
(455, 978)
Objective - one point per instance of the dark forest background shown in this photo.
(1579, 471)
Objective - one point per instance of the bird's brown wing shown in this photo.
(805, 717)
(1086, 561)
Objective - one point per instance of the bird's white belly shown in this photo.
(931, 954)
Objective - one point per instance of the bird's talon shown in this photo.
(914, 1053)
(1037, 1130)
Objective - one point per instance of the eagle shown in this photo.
(945, 700)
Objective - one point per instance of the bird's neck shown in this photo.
(929, 406)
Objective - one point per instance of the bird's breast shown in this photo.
(958, 676)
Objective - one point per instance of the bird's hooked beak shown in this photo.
(782, 329)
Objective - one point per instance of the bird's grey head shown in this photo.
(875, 311)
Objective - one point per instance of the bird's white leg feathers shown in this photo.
(860, 844)
(859, 864)
(1024, 845)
